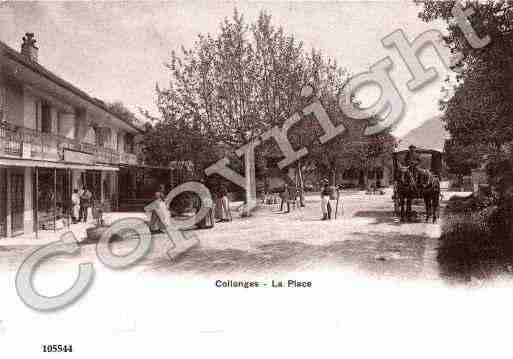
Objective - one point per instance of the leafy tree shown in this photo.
(168, 142)
(233, 87)
(119, 109)
(478, 115)
(238, 84)
(229, 88)
(482, 102)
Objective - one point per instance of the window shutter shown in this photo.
(3, 103)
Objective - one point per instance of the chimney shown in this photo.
(28, 47)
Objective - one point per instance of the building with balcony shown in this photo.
(54, 138)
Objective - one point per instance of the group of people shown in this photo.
(329, 199)
(218, 209)
(81, 201)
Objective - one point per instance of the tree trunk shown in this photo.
(301, 185)
(363, 179)
(333, 176)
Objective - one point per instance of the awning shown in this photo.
(20, 162)
(124, 165)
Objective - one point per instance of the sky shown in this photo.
(116, 51)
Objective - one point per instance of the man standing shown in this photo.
(325, 204)
(285, 198)
(332, 200)
(85, 203)
(223, 204)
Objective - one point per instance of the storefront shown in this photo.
(52, 187)
(36, 195)
(13, 200)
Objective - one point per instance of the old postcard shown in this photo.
(262, 179)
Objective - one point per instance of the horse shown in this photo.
(429, 185)
(405, 190)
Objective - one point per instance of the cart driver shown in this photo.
(412, 160)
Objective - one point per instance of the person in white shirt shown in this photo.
(75, 209)
(161, 221)
(159, 213)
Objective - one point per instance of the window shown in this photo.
(59, 122)
(119, 141)
(46, 118)
(129, 143)
(98, 136)
(90, 136)
(37, 115)
(107, 137)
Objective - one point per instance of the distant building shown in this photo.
(53, 138)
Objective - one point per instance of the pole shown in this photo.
(37, 202)
(54, 199)
(301, 185)
(336, 209)
(70, 193)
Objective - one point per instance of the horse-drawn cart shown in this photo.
(430, 160)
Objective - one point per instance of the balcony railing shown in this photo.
(128, 158)
(10, 140)
(24, 142)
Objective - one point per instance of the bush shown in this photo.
(468, 204)
(475, 244)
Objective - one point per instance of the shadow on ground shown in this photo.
(379, 216)
(392, 255)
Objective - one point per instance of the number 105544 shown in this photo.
(57, 348)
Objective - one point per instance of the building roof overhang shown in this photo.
(20, 162)
(37, 78)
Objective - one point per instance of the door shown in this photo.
(3, 202)
(17, 202)
(94, 182)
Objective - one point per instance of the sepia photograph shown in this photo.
(257, 179)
